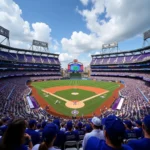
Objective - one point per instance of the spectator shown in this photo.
(130, 132)
(71, 135)
(142, 144)
(80, 129)
(88, 128)
(15, 136)
(62, 127)
(38, 128)
(114, 133)
(139, 128)
(59, 142)
(49, 135)
(35, 136)
(96, 132)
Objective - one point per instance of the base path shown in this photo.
(89, 98)
(70, 104)
(106, 104)
(56, 96)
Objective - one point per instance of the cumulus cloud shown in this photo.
(109, 21)
(81, 42)
(21, 31)
(84, 2)
(65, 57)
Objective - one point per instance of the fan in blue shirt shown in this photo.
(142, 144)
(71, 135)
(114, 133)
(130, 132)
(35, 136)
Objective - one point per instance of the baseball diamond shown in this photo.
(74, 74)
(92, 96)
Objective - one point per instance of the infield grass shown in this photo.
(90, 105)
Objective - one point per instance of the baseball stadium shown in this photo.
(63, 105)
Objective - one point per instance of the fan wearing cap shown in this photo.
(35, 136)
(130, 132)
(114, 133)
(142, 144)
(80, 129)
(96, 132)
(60, 139)
(71, 135)
(49, 135)
(139, 128)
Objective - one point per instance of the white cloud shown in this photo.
(65, 57)
(21, 32)
(81, 42)
(121, 20)
(109, 21)
(84, 2)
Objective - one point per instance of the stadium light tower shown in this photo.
(5, 33)
(110, 47)
(146, 36)
(39, 46)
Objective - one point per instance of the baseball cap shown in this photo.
(80, 125)
(138, 122)
(114, 127)
(57, 122)
(69, 124)
(44, 124)
(96, 121)
(39, 125)
(32, 122)
(49, 132)
(146, 121)
(88, 128)
(128, 123)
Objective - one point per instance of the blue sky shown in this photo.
(60, 15)
(76, 28)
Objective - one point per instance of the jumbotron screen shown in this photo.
(75, 68)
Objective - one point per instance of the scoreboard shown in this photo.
(75, 67)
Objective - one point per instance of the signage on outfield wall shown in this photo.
(40, 43)
(4, 32)
(146, 34)
(111, 45)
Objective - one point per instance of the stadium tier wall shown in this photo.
(19, 62)
(134, 63)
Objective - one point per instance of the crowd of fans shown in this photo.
(121, 59)
(36, 129)
(136, 74)
(55, 73)
(97, 133)
(135, 105)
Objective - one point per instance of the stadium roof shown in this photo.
(25, 50)
(140, 50)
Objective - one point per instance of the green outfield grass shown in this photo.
(90, 105)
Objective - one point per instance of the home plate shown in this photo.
(74, 93)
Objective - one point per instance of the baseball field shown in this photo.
(75, 97)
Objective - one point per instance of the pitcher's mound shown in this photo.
(74, 93)
(74, 104)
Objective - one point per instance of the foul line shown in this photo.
(93, 96)
(63, 99)
(84, 100)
